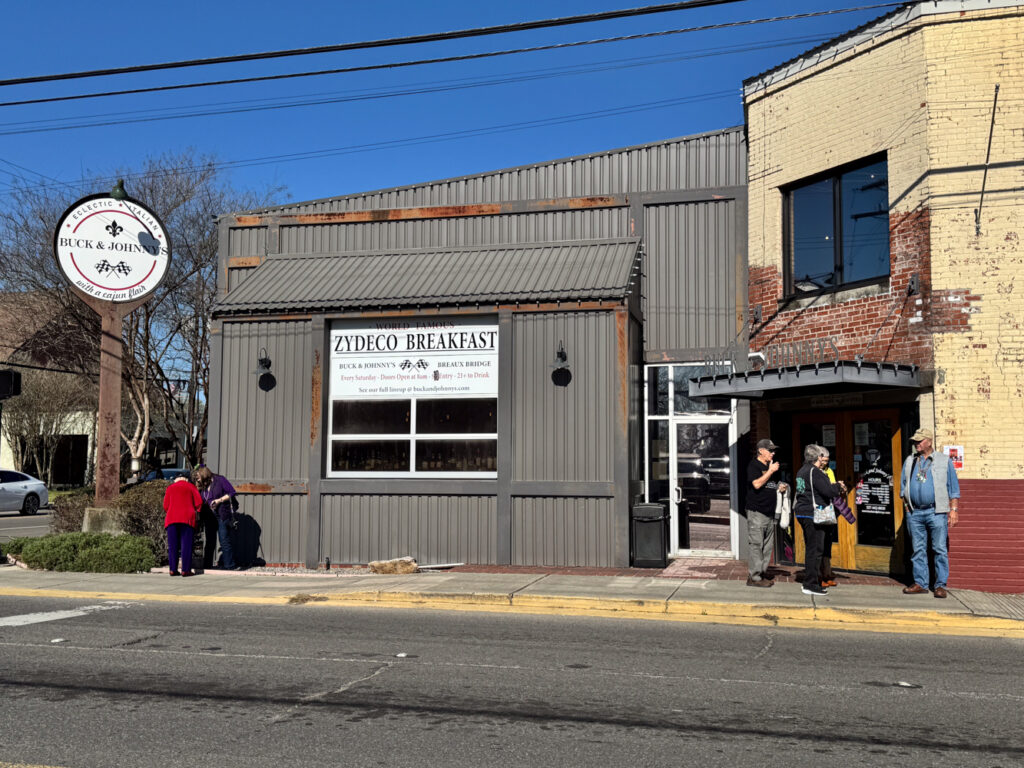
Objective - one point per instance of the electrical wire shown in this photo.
(425, 139)
(383, 43)
(223, 108)
(439, 60)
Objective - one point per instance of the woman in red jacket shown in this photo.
(181, 504)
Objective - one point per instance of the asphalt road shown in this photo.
(14, 525)
(139, 685)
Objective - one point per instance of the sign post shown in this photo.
(114, 252)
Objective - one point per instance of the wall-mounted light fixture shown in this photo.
(266, 379)
(561, 375)
(914, 285)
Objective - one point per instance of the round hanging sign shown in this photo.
(112, 249)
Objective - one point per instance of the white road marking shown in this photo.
(38, 618)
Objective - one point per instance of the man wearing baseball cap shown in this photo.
(762, 488)
(931, 493)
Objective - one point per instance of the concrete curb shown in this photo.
(903, 622)
(683, 611)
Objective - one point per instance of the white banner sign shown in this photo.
(114, 250)
(414, 358)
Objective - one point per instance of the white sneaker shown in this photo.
(814, 591)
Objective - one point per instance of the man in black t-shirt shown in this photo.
(762, 492)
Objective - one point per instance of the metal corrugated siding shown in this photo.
(572, 271)
(432, 529)
(563, 531)
(282, 520)
(238, 276)
(690, 281)
(710, 160)
(510, 229)
(247, 241)
(264, 436)
(563, 433)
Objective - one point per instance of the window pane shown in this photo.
(681, 375)
(371, 417)
(657, 391)
(865, 211)
(370, 456)
(456, 416)
(872, 473)
(456, 455)
(812, 235)
(658, 462)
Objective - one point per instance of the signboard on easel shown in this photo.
(114, 252)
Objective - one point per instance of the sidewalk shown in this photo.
(851, 606)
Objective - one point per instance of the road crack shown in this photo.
(321, 695)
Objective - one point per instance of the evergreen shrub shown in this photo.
(69, 510)
(91, 552)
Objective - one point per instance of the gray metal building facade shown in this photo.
(622, 258)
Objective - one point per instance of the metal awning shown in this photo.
(573, 270)
(840, 376)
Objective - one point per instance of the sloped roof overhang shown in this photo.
(838, 376)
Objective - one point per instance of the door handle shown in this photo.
(677, 495)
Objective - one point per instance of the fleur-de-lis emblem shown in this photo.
(114, 229)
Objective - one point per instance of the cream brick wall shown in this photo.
(870, 100)
(979, 394)
(923, 93)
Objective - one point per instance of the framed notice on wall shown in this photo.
(956, 453)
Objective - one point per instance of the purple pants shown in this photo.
(179, 539)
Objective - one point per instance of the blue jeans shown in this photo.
(921, 523)
(227, 554)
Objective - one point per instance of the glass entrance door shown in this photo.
(690, 455)
(700, 499)
(864, 448)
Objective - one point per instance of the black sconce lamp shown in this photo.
(561, 375)
(266, 379)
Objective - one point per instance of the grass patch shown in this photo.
(302, 598)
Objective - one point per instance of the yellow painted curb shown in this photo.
(698, 612)
(162, 598)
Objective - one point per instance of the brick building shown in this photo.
(885, 177)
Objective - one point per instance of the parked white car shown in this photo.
(21, 493)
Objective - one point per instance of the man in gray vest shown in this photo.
(931, 493)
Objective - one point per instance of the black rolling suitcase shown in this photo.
(246, 541)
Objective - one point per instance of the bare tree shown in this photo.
(51, 406)
(166, 341)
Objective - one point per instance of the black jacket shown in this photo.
(823, 490)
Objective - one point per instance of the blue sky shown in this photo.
(369, 142)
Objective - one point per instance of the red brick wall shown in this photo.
(903, 337)
(986, 548)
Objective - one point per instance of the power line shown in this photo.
(438, 60)
(382, 43)
(430, 138)
(222, 108)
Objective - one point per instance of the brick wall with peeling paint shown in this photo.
(924, 95)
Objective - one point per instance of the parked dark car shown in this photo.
(695, 484)
(170, 473)
(719, 472)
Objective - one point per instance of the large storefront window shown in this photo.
(416, 398)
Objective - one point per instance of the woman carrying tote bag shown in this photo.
(813, 489)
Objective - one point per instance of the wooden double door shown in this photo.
(866, 452)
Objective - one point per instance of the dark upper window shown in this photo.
(837, 228)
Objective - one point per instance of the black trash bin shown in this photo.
(648, 536)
